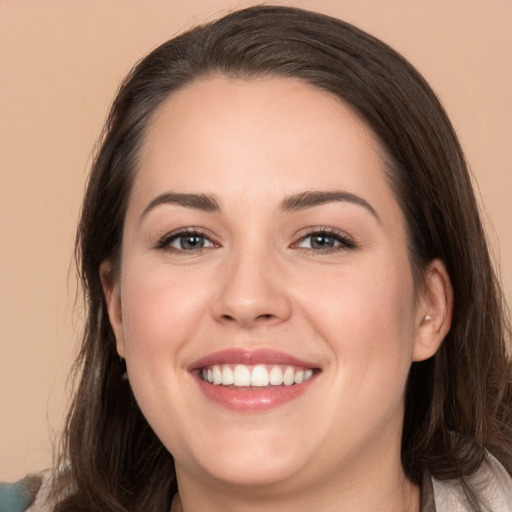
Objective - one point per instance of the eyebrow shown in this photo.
(296, 202)
(310, 199)
(204, 202)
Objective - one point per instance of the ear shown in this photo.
(434, 312)
(112, 292)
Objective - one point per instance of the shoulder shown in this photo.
(491, 483)
(26, 495)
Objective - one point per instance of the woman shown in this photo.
(290, 299)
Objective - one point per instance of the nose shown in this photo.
(252, 291)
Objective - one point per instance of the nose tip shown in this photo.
(251, 295)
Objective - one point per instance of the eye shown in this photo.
(185, 241)
(325, 241)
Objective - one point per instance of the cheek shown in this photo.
(366, 315)
(159, 308)
(160, 314)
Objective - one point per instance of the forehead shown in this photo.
(253, 110)
(263, 136)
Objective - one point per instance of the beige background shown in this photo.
(60, 64)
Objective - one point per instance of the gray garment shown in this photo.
(491, 484)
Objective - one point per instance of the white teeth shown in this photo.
(257, 376)
(289, 376)
(299, 377)
(217, 375)
(227, 376)
(241, 375)
(276, 376)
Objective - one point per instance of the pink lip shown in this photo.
(251, 399)
(249, 357)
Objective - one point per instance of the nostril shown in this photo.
(266, 316)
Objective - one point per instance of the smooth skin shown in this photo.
(328, 282)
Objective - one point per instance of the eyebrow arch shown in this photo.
(310, 199)
(204, 202)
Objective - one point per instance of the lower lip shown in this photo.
(253, 399)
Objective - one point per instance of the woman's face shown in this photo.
(262, 241)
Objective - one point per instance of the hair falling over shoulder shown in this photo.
(458, 403)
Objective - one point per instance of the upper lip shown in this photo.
(249, 357)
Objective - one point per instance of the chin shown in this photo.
(252, 461)
(254, 473)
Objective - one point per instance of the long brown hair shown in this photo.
(458, 403)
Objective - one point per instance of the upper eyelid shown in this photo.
(324, 230)
(190, 230)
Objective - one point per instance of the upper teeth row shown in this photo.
(258, 376)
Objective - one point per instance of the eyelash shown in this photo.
(343, 241)
(165, 242)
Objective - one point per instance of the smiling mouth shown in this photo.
(253, 381)
(254, 376)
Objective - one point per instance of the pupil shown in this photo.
(322, 241)
(192, 242)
